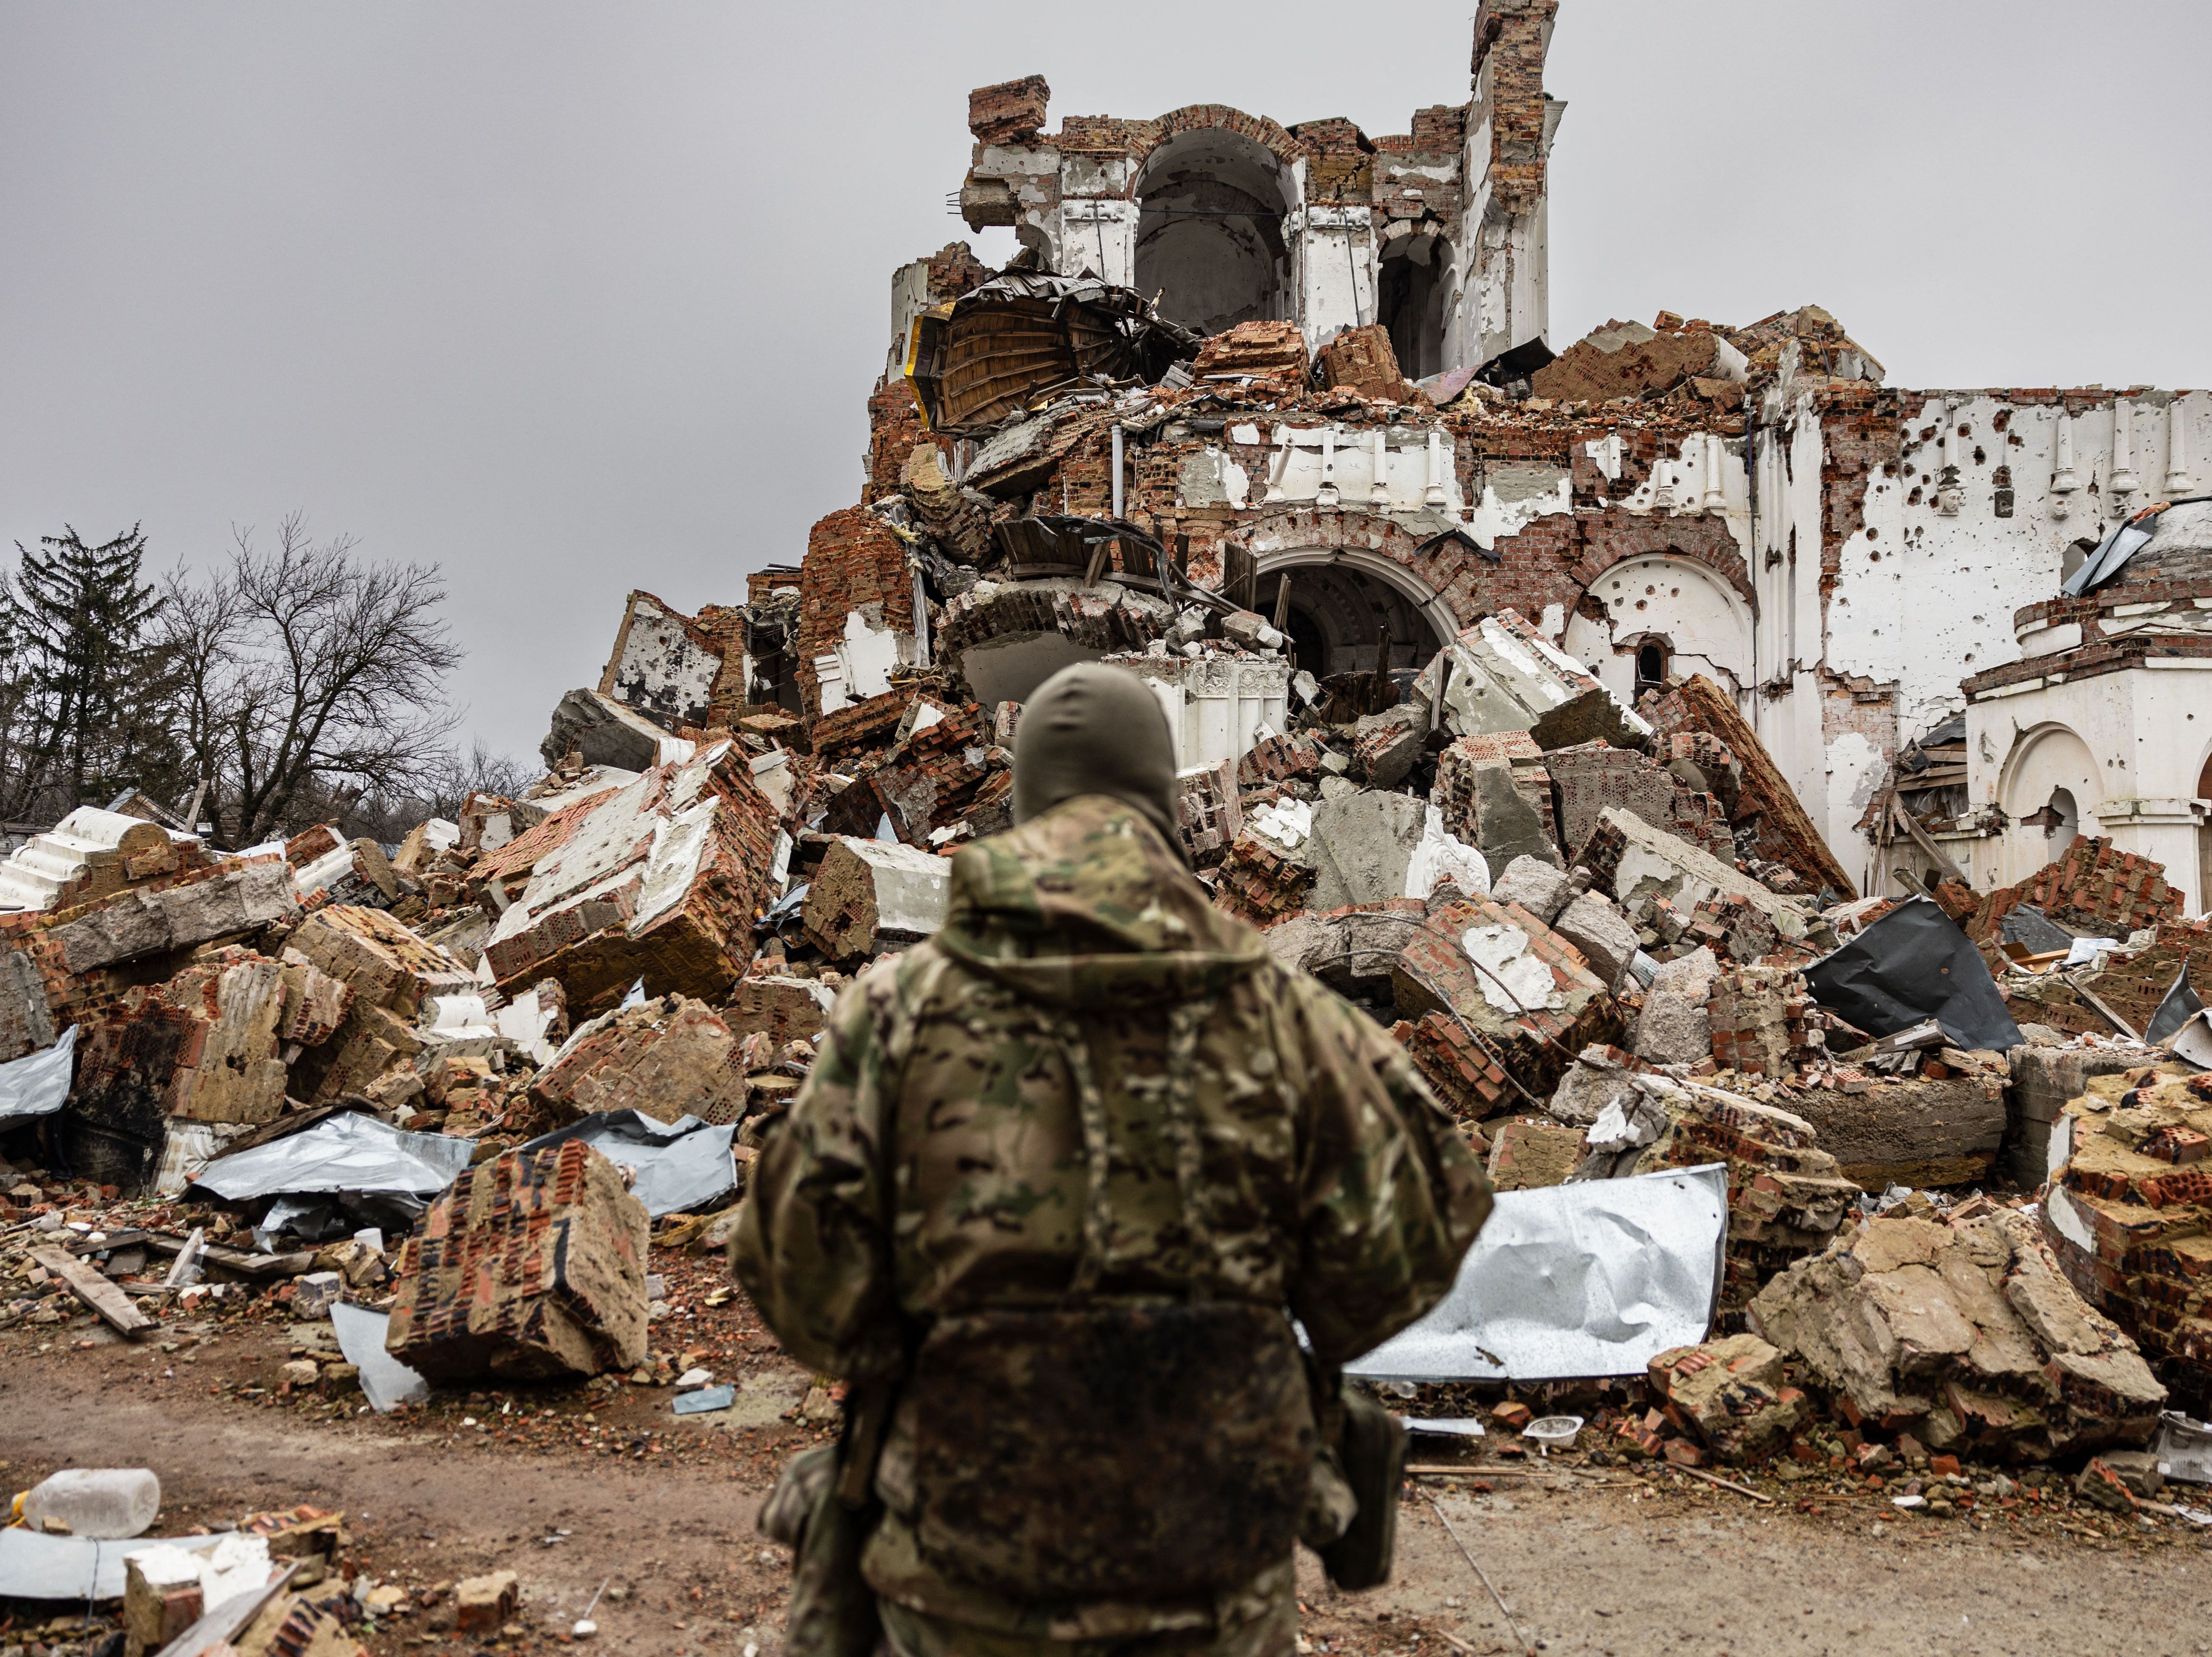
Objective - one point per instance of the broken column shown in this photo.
(530, 1267)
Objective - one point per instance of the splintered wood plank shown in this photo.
(95, 1291)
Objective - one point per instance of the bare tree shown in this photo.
(310, 677)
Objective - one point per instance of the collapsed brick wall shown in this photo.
(1782, 831)
(2091, 886)
(853, 563)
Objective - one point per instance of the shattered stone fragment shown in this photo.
(529, 1266)
(1964, 1334)
(662, 880)
(669, 1058)
(1731, 1392)
(870, 895)
(1504, 675)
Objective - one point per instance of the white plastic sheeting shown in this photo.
(38, 1083)
(346, 1152)
(1574, 1281)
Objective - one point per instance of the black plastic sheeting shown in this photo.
(1912, 965)
(2179, 1006)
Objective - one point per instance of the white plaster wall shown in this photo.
(1300, 454)
(2130, 747)
(1493, 518)
(1705, 474)
(1705, 623)
(1099, 236)
(1334, 269)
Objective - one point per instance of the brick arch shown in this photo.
(1271, 136)
(1610, 537)
(1533, 572)
(1552, 562)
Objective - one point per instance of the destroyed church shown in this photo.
(1701, 756)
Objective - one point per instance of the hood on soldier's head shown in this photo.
(1087, 904)
(1091, 729)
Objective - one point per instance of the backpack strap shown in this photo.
(1185, 1021)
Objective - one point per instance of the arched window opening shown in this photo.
(1409, 303)
(1650, 666)
(2062, 818)
(1210, 210)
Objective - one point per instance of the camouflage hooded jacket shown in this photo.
(934, 1162)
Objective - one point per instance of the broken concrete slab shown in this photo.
(1632, 861)
(232, 898)
(530, 1267)
(669, 1058)
(1591, 776)
(591, 729)
(1362, 845)
(1674, 1027)
(1503, 674)
(870, 896)
(659, 880)
(1914, 1132)
(1964, 1334)
(1482, 803)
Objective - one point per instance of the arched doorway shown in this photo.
(1210, 207)
(1344, 605)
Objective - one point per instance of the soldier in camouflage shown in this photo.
(1057, 1184)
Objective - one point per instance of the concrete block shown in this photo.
(315, 1295)
(1632, 861)
(1504, 675)
(238, 897)
(669, 1058)
(1362, 843)
(1541, 887)
(1675, 1028)
(869, 895)
(529, 1266)
(1732, 1394)
(1593, 925)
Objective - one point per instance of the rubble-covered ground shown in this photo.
(393, 1180)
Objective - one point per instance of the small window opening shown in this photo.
(1650, 666)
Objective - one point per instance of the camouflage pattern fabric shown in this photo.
(1265, 1142)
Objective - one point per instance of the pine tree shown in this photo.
(93, 679)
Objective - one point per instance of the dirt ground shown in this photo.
(576, 1488)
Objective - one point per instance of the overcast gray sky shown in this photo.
(573, 298)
